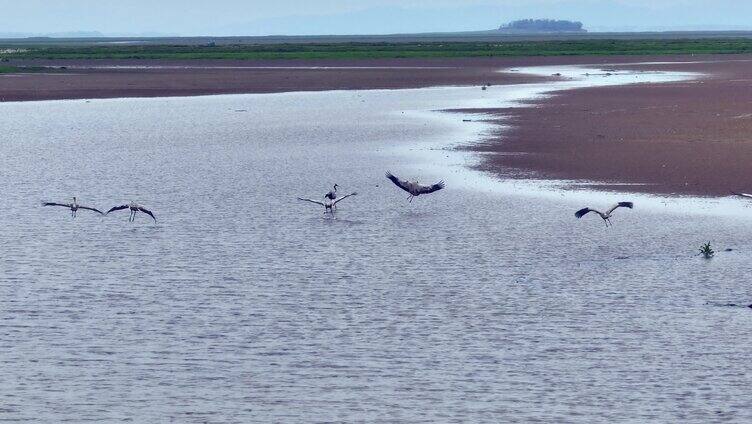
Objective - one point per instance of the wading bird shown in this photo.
(413, 187)
(134, 207)
(74, 207)
(329, 205)
(607, 215)
(332, 195)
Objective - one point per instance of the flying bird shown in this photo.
(413, 187)
(605, 215)
(74, 207)
(134, 208)
(329, 205)
(742, 194)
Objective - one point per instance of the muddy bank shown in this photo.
(83, 79)
(684, 138)
(690, 137)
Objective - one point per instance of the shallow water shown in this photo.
(487, 301)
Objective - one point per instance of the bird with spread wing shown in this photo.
(606, 216)
(414, 187)
(134, 208)
(329, 204)
(73, 206)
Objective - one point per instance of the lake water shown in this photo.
(485, 302)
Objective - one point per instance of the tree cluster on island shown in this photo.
(542, 25)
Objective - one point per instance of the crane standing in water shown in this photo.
(332, 196)
(330, 206)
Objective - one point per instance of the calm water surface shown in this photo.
(485, 302)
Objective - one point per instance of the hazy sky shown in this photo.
(252, 17)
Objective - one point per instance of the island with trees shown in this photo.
(542, 25)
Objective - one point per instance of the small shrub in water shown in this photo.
(707, 251)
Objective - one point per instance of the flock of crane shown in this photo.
(414, 188)
(132, 207)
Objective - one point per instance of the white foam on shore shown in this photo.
(473, 127)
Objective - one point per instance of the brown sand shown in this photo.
(91, 79)
(686, 138)
(83, 79)
(683, 138)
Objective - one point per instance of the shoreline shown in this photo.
(674, 138)
(98, 79)
(77, 79)
(670, 138)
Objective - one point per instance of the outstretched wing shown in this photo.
(430, 189)
(582, 212)
(312, 201)
(339, 199)
(148, 212)
(91, 209)
(742, 194)
(629, 205)
(118, 208)
(56, 204)
(404, 185)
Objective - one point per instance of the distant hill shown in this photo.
(541, 26)
(69, 34)
(79, 34)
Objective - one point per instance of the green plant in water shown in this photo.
(707, 251)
